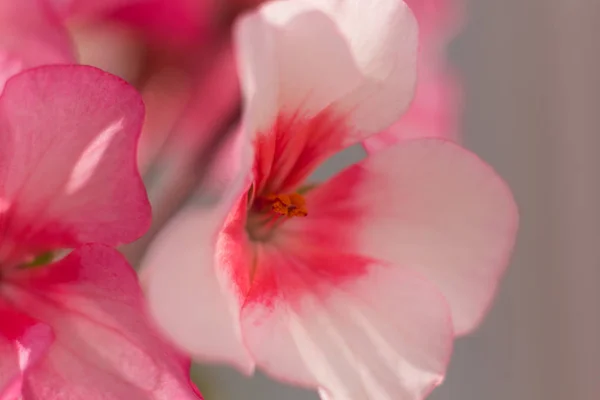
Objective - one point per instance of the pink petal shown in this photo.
(182, 269)
(213, 103)
(173, 22)
(104, 347)
(383, 39)
(30, 35)
(68, 165)
(431, 206)
(433, 112)
(23, 343)
(437, 17)
(299, 58)
(293, 148)
(381, 334)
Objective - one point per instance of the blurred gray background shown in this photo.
(532, 75)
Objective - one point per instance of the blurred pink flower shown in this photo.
(75, 328)
(436, 108)
(30, 35)
(177, 53)
(355, 286)
(168, 22)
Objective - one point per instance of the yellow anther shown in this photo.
(290, 205)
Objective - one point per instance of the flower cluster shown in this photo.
(355, 286)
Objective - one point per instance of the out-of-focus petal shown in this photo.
(112, 47)
(68, 171)
(23, 343)
(104, 346)
(213, 104)
(434, 112)
(428, 205)
(437, 18)
(171, 22)
(356, 58)
(30, 35)
(383, 39)
(435, 109)
(382, 333)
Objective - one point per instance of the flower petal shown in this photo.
(275, 46)
(433, 112)
(299, 58)
(172, 21)
(435, 109)
(383, 40)
(168, 22)
(437, 18)
(23, 343)
(383, 334)
(30, 35)
(214, 100)
(210, 329)
(185, 267)
(104, 348)
(429, 205)
(68, 171)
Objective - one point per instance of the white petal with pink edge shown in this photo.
(67, 164)
(188, 295)
(301, 57)
(384, 335)
(104, 347)
(432, 206)
(183, 273)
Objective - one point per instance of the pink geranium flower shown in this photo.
(357, 285)
(75, 328)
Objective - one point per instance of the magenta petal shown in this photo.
(23, 343)
(30, 35)
(435, 109)
(104, 348)
(68, 172)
